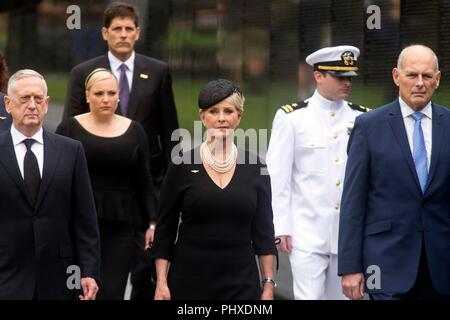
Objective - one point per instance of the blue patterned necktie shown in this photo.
(420, 151)
(124, 94)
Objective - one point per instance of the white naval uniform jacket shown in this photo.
(306, 162)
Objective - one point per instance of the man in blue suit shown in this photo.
(395, 218)
(5, 117)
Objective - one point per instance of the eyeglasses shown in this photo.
(27, 99)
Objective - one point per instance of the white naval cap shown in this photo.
(339, 61)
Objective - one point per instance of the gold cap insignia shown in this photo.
(348, 58)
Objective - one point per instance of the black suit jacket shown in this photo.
(38, 243)
(151, 104)
(5, 117)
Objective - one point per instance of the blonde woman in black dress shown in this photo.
(117, 155)
(226, 214)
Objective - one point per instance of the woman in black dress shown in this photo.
(117, 155)
(226, 213)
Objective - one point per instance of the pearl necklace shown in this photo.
(221, 166)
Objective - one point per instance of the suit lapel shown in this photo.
(103, 63)
(9, 161)
(51, 159)
(138, 86)
(436, 142)
(398, 127)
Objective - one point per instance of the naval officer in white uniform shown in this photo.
(306, 162)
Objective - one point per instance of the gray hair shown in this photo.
(21, 74)
(401, 56)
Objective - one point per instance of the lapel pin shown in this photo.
(143, 76)
(194, 171)
(2, 118)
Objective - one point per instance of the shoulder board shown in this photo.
(358, 107)
(294, 106)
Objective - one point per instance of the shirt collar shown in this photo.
(325, 103)
(407, 110)
(116, 63)
(18, 136)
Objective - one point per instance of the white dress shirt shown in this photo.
(20, 148)
(115, 67)
(426, 126)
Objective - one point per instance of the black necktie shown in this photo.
(31, 174)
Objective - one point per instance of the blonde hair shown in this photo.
(98, 75)
(237, 99)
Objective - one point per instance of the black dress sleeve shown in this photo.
(169, 213)
(144, 189)
(263, 234)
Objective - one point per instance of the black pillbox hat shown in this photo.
(215, 91)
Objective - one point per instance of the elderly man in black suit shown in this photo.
(145, 96)
(48, 221)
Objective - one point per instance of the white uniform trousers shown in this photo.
(315, 276)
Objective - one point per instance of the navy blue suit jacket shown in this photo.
(5, 117)
(384, 216)
(38, 243)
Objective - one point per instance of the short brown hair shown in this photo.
(3, 73)
(122, 10)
